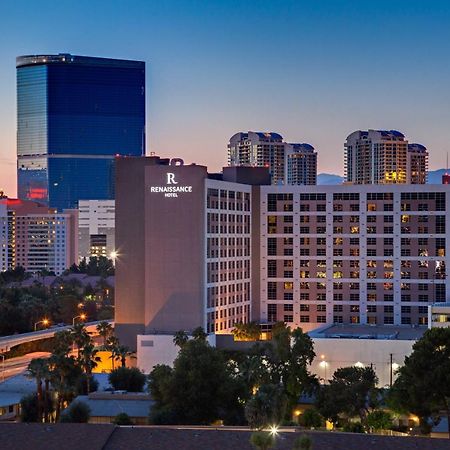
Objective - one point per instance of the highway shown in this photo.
(7, 342)
(15, 366)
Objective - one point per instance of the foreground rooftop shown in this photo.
(109, 437)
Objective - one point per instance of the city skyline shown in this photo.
(313, 73)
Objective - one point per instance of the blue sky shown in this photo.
(313, 71)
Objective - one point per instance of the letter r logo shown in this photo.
(171, 179)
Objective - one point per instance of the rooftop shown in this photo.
(67, 58)
(398, 332)
(109, 437)
(138, 406)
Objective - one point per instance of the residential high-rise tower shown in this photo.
(287, 163)
(384, 157)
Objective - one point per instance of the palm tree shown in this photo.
(37, 370)
(80, 336)
(121, 353)
(89, 361)
(111, 344)
(199, 334)
(180, 338)
(105, 330)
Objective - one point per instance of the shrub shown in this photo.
(310, 419)
(29, 408)
(122, 419)
(354, 427)
(379, 420)
(77, 412)
(128, 379)
(262, 440)
(303, 443)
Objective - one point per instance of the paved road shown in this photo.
(14, 366)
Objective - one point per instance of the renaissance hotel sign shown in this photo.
(171, 188)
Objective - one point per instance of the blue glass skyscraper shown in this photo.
(75, 115)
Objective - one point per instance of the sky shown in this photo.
(313, 71)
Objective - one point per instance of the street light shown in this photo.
(81, 316)
(44, 322)
(3, 366)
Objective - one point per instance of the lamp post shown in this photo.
(3, 366)
(81, 316)
(43, 321)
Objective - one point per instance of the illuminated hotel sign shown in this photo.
(171, 189)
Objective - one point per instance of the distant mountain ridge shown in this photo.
(434, 177)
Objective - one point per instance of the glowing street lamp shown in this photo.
(44, 322)
(81, 316)
(273, 430)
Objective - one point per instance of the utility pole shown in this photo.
(390, 369)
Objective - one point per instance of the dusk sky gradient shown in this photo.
(314, 71)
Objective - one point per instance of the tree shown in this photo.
(29, 408)
(121, 353)
(200, 388)
(303, 443)
(423, 383)
(286, 359)
(180, 338)
(88, 360)
(262, 440)
(351, 392)
(246, 331)
(37, 369)
(379, 420)
(129, 379)
(77, 412)
(65, 373)
(105, 330)
(199, 334)
(267, 407)
(80, 336)
(311, 419)
(123, 419)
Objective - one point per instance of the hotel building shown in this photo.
(198, 249)
(96, 228)
(384, 157)
(36, 238)
(287, 163)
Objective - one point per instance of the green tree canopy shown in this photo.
(200, 388)
(129, 379)
(423, 383)
(351, 392)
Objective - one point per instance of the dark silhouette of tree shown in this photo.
(423, 383)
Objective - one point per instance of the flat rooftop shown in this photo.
(387, 332)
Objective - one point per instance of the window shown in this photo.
(288, 307)
(304, 308)
(304, 319)
(321, 308)
(288, 318)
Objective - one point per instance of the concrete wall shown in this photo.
(153, 349)
(335, 353)
(331, 354)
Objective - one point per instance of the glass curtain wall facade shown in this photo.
(75, 116)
